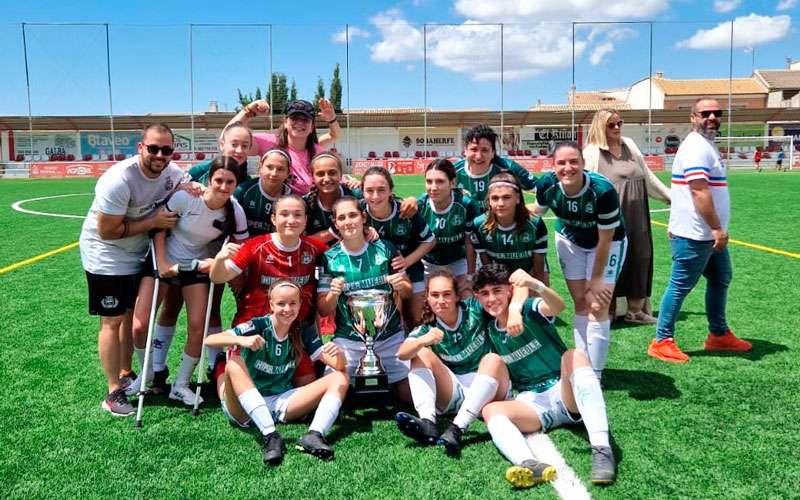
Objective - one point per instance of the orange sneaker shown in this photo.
(667, 350)
(726, 343)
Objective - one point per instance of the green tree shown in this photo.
(293, 92)
(320, 93)
(336, 90)
(280, 93)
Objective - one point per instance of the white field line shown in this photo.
(17, 205)
(567, 484)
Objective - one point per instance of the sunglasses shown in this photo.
(615, 124)
(716, 112)
(153, 149)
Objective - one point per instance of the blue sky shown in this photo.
(149, 45)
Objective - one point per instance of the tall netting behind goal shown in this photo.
(742, 153)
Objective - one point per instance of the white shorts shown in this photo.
(418, 287)
(460, 385)
(386, 350)
(458, 268)
(577, 263)
(549, 407)
(276, 404)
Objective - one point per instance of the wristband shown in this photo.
(515, 306)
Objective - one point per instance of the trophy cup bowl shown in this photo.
(369, 309)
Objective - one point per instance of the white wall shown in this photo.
(639, 96)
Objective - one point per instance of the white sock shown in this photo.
(161, 343)
(256, 408)
(213, 351)
(423, 392)
(589, 397)
(598, 334)
(482, 390)
(579, 331)
(188, 364)
(509, 440)
(326, 413)
(140, 357)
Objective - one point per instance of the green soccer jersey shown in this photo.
(405, 234)
(318, 217)
(509, 246)
(199, 172)
(534, 356)
(478, 185)
(363, 270)
(272, 368)
(450, 226)
(462, 347)
(257, 205)
(579, 217)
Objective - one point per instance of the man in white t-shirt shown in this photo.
(128, 203)
(698, 231)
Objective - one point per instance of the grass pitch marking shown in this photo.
(567, 484)
(17, 205)
(754, 246)
(39, 257)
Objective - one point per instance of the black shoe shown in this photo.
(117, 404)
(604, 466)
(418, 429)
(314, 443)
(451, 439)
(159, 384)
(272, 447)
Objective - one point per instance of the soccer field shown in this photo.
(720, 426)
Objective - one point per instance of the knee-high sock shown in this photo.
(161, 343)
(256, 408)
(482, 390)
(423, 392)
(213, 351)
(579, 331)
(326, 413)
(598, 334)
(509, 440)
(188, 364)
(589, 397)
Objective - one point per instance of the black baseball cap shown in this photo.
(301, 107)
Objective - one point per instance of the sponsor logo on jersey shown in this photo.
(265, 367)
(306, 258)
(245, 328)
(523, 352)
(169, 185)
(589, 208)
(109, 302)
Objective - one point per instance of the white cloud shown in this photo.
(352, 32)
(786, 5)
(400, 40)
(723, 6)
(748, 31)
(606, 47)
(536, 11)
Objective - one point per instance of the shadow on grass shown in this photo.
(620, 324)
(580, 431)
(640, 384)
(761, 348)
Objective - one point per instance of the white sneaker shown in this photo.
(134, 387)
(183, 393)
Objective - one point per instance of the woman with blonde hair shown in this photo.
(617, 158)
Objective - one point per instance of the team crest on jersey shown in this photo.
(306, 258)
(169, 185)
(457, 219)
(589, 208)
(488, 238)
(246, 327)
(400, 231)
(269, 258)
(526, 238)
(109, 302)
(379, 259)
(340, 269)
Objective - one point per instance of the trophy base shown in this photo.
(370, 391)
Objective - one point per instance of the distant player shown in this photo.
(757, 159)
(779, 161)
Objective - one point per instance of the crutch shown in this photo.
(201, 365)
(149, 342)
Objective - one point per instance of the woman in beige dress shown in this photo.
(618, 158)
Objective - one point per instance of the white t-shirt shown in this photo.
(697, 159)
(196, 227)
(124, 190)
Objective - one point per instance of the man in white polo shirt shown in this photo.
(698, 228)
(128, 203)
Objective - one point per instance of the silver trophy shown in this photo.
(370, 309)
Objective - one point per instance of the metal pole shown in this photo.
(425, 88)
(191, 83)
(271, 75)
(730, 95)
(572, 89)
(28, 89)
(502, 118)
(347, 88)
(650, 97)
(110, 100)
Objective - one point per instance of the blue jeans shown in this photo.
(690, 259)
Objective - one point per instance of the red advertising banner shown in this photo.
(654, 162)
(395, 167)
(80, 169)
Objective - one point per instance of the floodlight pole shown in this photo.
(425, 89)
(191, 83)
(347, 88)
(572, 88)
(28, 89)
(502, 96)
(650, 97)
(730, 96)
(271, 75)
(110, 100)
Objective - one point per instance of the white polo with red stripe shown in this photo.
(697, 159)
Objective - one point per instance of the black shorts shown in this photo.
(187, 278)
(112, 295)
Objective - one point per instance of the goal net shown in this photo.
(740, 152)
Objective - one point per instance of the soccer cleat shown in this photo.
(451, 439)
(604, 466)
(726, 343)
(667, 350)
(314, 443)
(530, 473)
(272, 448)
(418, 429)
(159, 385)
(184, 394)
(117, 404)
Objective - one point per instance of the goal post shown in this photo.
(740, 151)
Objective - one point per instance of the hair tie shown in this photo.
(504, 184)
(277, 151)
